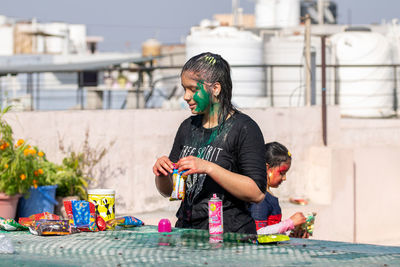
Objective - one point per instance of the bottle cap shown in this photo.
(164, 225)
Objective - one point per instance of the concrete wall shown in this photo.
(326, 176)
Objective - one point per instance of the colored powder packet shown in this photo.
(50, 227)
(11, 225)
(267, 239)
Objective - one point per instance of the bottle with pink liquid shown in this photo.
(215, 219)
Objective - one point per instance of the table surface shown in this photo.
(184, 247)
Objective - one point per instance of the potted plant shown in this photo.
(76, 171)
(19, 168)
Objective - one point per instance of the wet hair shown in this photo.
(276, 153)
(212, 68)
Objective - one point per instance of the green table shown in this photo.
(182, 247)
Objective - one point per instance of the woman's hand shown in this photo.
(163, 166)
(192, 165)
(298, 218)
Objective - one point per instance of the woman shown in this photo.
(220, 148)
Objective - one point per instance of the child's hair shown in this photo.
(212, 68)
(276, 153)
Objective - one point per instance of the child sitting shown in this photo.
(267, 214)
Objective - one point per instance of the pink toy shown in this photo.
(164, 225)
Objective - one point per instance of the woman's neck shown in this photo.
(210, 120)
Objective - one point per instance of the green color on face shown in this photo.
(202, 98)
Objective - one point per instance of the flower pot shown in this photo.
(8, 205)
(41, 199)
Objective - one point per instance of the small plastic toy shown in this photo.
(164, 225)
(266, 239)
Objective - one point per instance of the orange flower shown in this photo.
(20, 142)
(35, 184)
(26, 151)
(40, 154)
(40, 171)
(6, 166)
(35, 173)
(33, 151)
(22, 176)
(2, 146)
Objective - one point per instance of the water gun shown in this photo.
(309, 224)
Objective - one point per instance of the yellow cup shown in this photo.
(104, 200)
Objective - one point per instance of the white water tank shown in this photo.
(364, 91)
(238, 48)
(77, 35)
(286, 85)
(277, 13)
(7, 40)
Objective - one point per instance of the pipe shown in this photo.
(323, 71)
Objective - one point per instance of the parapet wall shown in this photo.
(324, 175)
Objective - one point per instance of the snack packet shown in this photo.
(81, 215)
(178, 178)
(50, 227)
(123, 222)
(30, 221)
(11, 225)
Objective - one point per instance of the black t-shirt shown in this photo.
(237, 146)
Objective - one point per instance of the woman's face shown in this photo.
(277, 174)
(196, 94)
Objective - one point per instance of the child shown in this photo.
(267, 214)
(221, 149)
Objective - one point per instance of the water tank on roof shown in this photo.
(151, 47)
(286, 85)
(277, 13)
(238, 48)
(57, 40)
(364, 91)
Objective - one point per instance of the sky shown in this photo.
(126, 24)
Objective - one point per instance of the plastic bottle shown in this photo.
(215, 219)
(6, 246)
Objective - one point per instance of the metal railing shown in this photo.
(282, 85)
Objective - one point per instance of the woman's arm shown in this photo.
(240, 186)
(164, 185)
(162, 169)
(279, 228)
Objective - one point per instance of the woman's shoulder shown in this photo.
(194, 119)
(243, 119)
